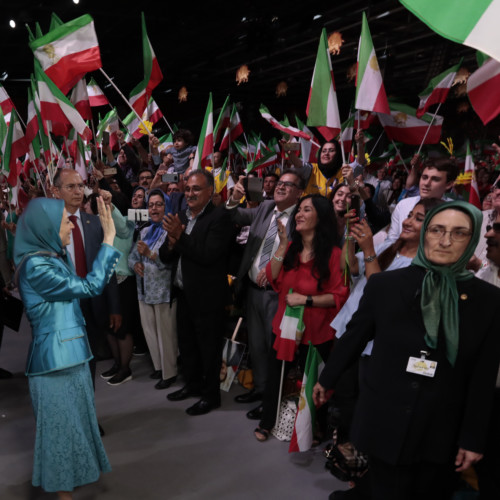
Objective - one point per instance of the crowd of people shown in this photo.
(395, 276)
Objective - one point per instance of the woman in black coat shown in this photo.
(426, 394)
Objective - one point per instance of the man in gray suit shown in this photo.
(261, 300)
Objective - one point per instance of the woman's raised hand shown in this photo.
(363, 235)
(282, 234)
(108, 226)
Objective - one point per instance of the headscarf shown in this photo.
(439, 300)
(156, 228)
(38, 228)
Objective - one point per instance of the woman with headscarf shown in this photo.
(426, 392)
(156, 306)
(68, 447)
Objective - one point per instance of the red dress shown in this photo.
(316, 319)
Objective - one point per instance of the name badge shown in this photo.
(421, 366)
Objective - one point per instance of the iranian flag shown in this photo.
(471, 184)
(165, 142)
(205, 147)
(322, 107)
(473, 23)
(234, 130)
(43, 141)
(437, 90)
(5, 101)
(57, 109)
(223, 121)
(483, 89)
(77, 151)
(140, 95)
(150, 116)
(263, 158)
(291, 328)
(13, 146)
(96, 95)
(80, 99)
(305, 420)
(286, 129)
(68, 51)
(347, 133)
(402, 125)
(308, 148)
(32, 125)
(110, 124)
(370, 91)
(364, 119)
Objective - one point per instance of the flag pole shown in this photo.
(428, 128)
(168, 124)
(125, 99)
(51, 163)
(280, 392)
(379, 137)
(342, 147)
(400, 155)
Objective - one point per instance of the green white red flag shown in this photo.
(80, 99)
(205, 148)
(150, 114)
(32, 125)
(5, 101)
(57, 109)
(437, 90)
(322, 107)
(234, 130)
(305, 420)
(370, 91)
(470, 174)
(291, 328)
(308, 149)
(68, 51)
(139, 97)
(473, 23)
(165, 142)
(13, 146)
(110, 124)
(223, 121)
(288, 129)
(402, 125)
(483, 90)
(96, 95)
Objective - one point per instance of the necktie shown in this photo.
(375, 195)
(80, 262)
(269, 242)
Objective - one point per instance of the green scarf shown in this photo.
(439, 301)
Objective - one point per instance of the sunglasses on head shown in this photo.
(495, 226)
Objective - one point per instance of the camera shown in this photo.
(170, 178)
(138, 215)
(109, 171)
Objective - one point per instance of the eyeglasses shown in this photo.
(158, 204)
(286, 184)
(458, 235)
(74, 187)
(495, 226)
(144, 177)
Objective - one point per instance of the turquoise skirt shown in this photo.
(68, 448)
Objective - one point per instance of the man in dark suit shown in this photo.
(199, 240)
(261, 300)
(100, 312)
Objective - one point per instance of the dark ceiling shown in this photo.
(201, 47)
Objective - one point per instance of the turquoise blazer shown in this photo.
(51, 290)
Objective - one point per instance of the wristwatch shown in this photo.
(370, 258)
(309, 301)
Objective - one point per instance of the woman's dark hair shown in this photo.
(333, 192)
(331, 170)
(388, 255)
(325, 239)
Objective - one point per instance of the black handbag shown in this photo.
(11, 309)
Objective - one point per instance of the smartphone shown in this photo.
(105, 138)
(170, 178)
(253, 188)
(109, 171)
(355, 203)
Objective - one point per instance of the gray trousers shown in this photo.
(261, 306)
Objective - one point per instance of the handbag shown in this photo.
(283, 430)
(12, 310)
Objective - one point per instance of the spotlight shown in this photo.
(76, 2)
(12, 23)
(316, 17)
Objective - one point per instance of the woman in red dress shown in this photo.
(305, 272)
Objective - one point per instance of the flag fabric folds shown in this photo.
(140, 95)
(233, 131)
(322, 107)
(402, 125)
(13, 146)
(303, 430)
(80, 99)
(291, 328)
(68, 51)
(5, 101)
(483, 89)
(370, 91)
(473, 23)
(206, 141)
(437, 90)
(288, 129)
(96, 95)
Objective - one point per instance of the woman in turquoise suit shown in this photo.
(68, 448)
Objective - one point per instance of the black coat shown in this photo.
(205, 258)
(401, 417)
